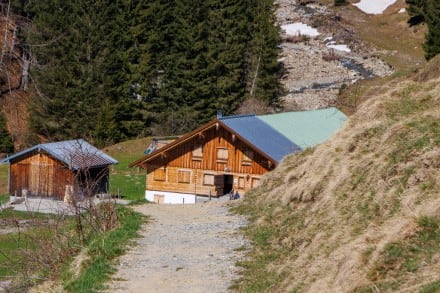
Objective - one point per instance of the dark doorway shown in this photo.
(228, 181)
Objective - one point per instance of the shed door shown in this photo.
(219, 184)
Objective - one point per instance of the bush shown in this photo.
(340, 2)
(331, 55)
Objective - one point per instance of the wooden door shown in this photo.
(219, 183)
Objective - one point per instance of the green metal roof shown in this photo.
(306, 128)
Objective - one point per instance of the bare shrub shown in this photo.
(331, 55)
(296, 38)
(305, 2)
(349, 98)
(430, 71)
(42, 247)
(254, 106)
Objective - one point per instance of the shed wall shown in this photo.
(39, 175)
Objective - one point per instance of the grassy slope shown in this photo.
(130, 182)
(360, 212)
(391, 38)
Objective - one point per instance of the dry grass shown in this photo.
(136, 146)
(430, 71)
(296, 38)
(336, 210)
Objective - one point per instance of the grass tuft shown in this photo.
(410, 254)
(103, 249)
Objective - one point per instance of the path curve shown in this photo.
(184, 248)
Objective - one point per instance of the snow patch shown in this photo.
(374, 6)
(343, 48)
(402, 10)
(298, 28)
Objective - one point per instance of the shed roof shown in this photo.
(261, 135)
(307, 128)
(76, 154)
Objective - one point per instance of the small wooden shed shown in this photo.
(49, 169)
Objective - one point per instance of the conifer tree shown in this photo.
(81, 49)
(432, 17)
(6, 142)
(112, 70)
(416, 11)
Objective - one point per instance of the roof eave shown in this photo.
(141, 162)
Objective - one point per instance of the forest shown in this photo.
(108, 71)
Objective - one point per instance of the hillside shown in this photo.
(360, 212)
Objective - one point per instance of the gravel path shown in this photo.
(184, 248)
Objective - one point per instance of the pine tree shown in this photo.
(112, 70)
(416, 11)
(6, 142)
(432, 17)
(82, 63)
(264, 69)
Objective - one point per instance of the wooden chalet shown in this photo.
(226, 155)
(51, 169)
(230, 154)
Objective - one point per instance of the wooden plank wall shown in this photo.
(40, 175)
(245, 165)
(197, 184)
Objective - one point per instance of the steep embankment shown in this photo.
(13, 79)
(362, 211)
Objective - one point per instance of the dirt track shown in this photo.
(186, 248)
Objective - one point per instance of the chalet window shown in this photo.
(222, 154)
(255, 182)
(160, 174)
(248, 157)
(197, 153)
(208, 179)
(184, 176)
(241, 182)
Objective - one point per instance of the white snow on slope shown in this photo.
(299, 28)
(343, 48)
(374, 6)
